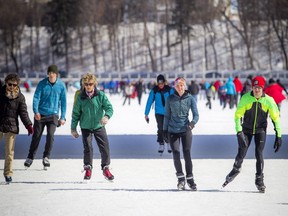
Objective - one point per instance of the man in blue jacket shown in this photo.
(159, 94)
(49, 99)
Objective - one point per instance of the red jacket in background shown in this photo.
(275, 91)
(238, 85)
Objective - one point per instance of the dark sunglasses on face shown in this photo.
(12, 84)
(88, 84)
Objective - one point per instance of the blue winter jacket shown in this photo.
(230, 87)
(176, 118)
(155, 95)
(49, 99)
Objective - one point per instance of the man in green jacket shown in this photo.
(92, 110)
(251, 120)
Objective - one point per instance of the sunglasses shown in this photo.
(88, 84)
(12, 84)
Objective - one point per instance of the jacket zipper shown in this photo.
(255, 119)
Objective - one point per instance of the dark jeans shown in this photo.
(186, 140)
(160, 121)
(259, 140)
(51, 123)
(102, 142)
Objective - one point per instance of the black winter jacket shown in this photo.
(10, 109)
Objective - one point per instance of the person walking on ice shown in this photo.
(251, 121)
(92, 110)
(178, 128)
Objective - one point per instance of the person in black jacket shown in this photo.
(12, 105)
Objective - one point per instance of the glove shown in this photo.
(166, 136)
(74, 133)
(30, 130)
(147, 119)
(104, 120)
(242, 142)
(191, 125)
(277, 144)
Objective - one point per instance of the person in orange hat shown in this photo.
(251, 121)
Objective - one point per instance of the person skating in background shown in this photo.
(49, 98)
(210, 93)
(159, 94)
(274, 90)
(140, 88)
(253, 109)
(178, 129)
(230, 93)
(284, 89)
(129, 89)
(193, 88)
(92, 104)
(12, 106)
(239, 87)
(247, 85)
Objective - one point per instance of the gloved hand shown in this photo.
(74, 133)
(191, 125)
(242, 141)
(147, 119)
(30, 130)
(166, 136)
(277, 144)
(104, 120)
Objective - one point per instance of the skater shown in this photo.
(177, 128)
(49, 98)
(274, 90)
(12, 105)
(159, 94)
(253, 108)
(92, 104)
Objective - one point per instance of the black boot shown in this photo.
(230, 177)
(259, 182)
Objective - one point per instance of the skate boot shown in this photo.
(8, 179)
(28, 163)
(191, 183)
(169, 148)
(181, 182)
(230, 177)
(46, 162)
(108, 175)
(161, 148)
(260, 183)
(88, 172)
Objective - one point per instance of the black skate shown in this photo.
(161, 148)
(46, 163)
(181, 182)
(88, 172)
(260, 183)
(8, 179)
(28, 162)
(169, 148)
(108, 175)
(191, 184)
(230, 177)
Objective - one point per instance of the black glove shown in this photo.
(242, 141)
(166, 136)
(277, 143)
(191, 125)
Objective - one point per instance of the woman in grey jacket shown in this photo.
(178, 127)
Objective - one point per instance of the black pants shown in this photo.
(186, 140)
(102, 142)
(51, 123)
(160, 121)
(259, 140)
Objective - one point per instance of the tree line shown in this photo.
(150, 35)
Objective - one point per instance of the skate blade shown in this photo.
(109, 180)
(261, 189)
(86, 181)
(224, 184)
(45, 168)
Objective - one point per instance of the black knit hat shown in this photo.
(160, 79)
(53, 68)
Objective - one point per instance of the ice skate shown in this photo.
(260, 183)
(191, 184)
(8, 179)
(161, 148)
(88, 173)
(108, 175)
(230, 177)
(181, 182)
(169, 148)
(28, 162)
(46, 163)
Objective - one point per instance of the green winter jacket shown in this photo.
(89, 111)
(254, 114)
